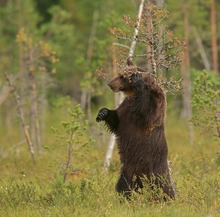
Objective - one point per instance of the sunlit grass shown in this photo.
(38, 190)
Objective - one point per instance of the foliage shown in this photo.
(206, 103)
(74, 137)
(24, 15)
(37, 56)
(59, 34)
(40, 190)
(195, 170)
(164, 50)
(199, 19)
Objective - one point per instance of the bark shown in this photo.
(152, 56)
(86, 96)
(109, 153)
(23, 75)
(22, 119)
(185, 71)
(119, 98)
(43, 104)
(201, 49)
(83, 99)
(68, 162)
(214, 37)
(141, 6)
(6, 90)
(149, 64)
(35, 125)
(69, 157)
(4, 94)
(92, 35)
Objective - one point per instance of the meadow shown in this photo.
(52, 51)
(28, 189)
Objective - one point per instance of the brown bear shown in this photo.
(138, 124)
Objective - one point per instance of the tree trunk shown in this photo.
(34, 111)
(201, 49)
(83, 99)
(23, 75)
(6, 90)
(109, 153)
(214, 37)
(21, 116)
(131, 52)
(68, 162)
(185, 71)
(43, 103)
(120, 97)
(85, 95)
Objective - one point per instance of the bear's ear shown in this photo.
(129, 62)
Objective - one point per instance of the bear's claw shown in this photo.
(102, 114)
(138, 81)
(136, 77)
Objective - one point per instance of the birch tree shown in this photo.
(201, 49)
(86, 82)
(185, 72)
(120, 98)
(22, 118)
(165, 50)
(6, 90)
(37, 58)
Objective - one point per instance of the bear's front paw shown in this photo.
(138, 81)
(102, 114)
(136, 77)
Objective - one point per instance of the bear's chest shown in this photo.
(130, 117)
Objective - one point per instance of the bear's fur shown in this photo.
(138, 124)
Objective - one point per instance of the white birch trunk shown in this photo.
(201, 50)
(131, 52)
(185, 70)
(109, 153)
(6, 90)
(22, 119)
(121, 96)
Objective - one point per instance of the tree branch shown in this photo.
(131, 51)
(6, 90)
(22, 119)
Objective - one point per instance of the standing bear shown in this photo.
(138, 124)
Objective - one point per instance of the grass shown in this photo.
(38, 190)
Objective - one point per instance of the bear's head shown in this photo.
(120, 83)
(124, 81)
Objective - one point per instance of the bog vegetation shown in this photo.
(51, 149)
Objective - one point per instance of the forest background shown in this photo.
(52, 151)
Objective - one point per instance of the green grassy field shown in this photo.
(38, 190)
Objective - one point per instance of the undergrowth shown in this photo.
(39, 190)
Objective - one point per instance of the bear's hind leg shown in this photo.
(122, 186)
